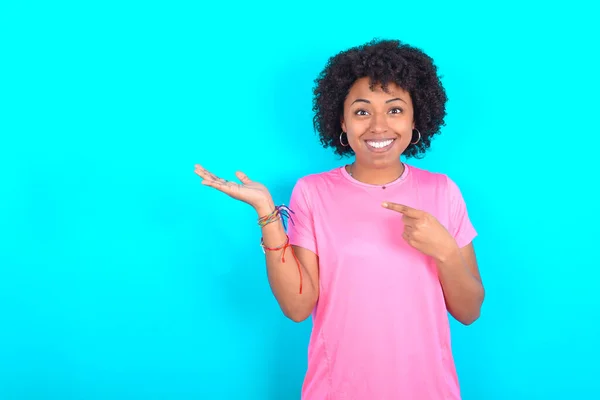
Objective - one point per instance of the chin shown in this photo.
(378, 161)
(385, 163)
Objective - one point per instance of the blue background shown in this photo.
(121, 277)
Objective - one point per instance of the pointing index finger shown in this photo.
(402, 209)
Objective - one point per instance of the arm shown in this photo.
(457, 267)
(287, 268)
(463, 290)
(284, 277)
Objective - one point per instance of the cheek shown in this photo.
(356, 129)
(402, 125)
(405, 129)
(353, 140)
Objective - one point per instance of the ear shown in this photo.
(343, 125)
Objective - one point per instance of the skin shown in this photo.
(457, 267)
(285, 277)
(368, 115)
(376, 115)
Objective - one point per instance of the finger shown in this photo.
(200, 168)
(223, 183)
(410, 222)
(242, 177)
(211, 183)
(205, 174)
(200, 171)
(225, 187)
(405, 210)
(205, 178)
(215, 178)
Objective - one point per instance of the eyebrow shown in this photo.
(368, 102)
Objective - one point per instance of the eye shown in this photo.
(396, 110)
(361, 112)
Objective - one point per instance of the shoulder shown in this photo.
(433, 179)
(310, 189)
(443, 197)
(320, 180)
(438, 184)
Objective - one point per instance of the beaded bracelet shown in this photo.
(284, 247)
(276, 215)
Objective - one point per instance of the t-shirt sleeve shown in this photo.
(301, 228)
(461, 227)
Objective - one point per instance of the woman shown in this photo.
(378, 251)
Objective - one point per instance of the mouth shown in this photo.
(380, 145)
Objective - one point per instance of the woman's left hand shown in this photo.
(424, 232)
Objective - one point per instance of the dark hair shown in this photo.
(383, 61)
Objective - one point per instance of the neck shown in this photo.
(375, 176)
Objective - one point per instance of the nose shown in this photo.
(378, 123)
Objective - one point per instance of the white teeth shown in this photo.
(379, 144)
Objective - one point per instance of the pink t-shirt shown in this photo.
(380, 326)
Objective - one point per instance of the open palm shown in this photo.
(248, 191)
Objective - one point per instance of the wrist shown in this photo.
(447, 256)
(265, 207)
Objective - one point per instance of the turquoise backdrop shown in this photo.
(121, 277)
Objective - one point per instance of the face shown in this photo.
(378, 125)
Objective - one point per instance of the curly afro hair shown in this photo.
(382, 61)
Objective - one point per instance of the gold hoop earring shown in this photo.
(341, 142)
(419, 139)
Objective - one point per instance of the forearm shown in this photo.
(290, 281)
(463, 291)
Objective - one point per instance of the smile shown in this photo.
(380, 145)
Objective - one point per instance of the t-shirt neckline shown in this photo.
(401, 178)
